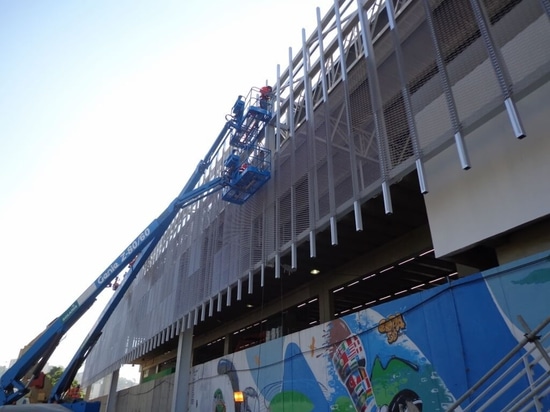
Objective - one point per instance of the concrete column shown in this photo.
(87, 392)
(465, 270)
(226, 344)
(180, 399)
(111, 399)
(326, 305)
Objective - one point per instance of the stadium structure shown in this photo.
(397, 259)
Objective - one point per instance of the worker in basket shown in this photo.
(266, 93)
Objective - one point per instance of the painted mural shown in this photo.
(417, 353)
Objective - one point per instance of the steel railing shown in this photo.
(501, 378)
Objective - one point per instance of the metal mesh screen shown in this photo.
(364, 129)
(427, 79)
(435, 69)
(470, 72)
(520, 31)
(341, 167)
(322, 165)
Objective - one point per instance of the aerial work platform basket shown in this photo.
(251, 128)
(246, 178)
(249, 120)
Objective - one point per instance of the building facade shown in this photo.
(410, 162)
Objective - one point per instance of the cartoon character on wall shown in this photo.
(392, 327)
(226, 367)
(219, 403)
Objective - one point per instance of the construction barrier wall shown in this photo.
(426, 349)
(154, 395)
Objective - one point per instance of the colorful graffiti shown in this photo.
(417, 353)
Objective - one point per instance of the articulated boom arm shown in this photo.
(246, 169)
(65, 381)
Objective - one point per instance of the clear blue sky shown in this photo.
(106, 107)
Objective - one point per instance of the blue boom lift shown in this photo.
(246, 170)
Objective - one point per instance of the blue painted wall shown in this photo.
(425, 349)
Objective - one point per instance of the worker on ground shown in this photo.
(266, 93)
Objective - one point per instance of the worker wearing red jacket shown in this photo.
(265, 96)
